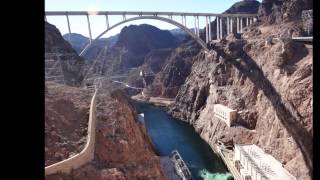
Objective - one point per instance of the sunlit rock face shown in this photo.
(66, 121)
(274, 101)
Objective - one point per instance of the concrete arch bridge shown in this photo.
(241, 20)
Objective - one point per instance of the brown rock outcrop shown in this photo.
(66, 122)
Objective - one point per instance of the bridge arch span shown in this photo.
(193, 35)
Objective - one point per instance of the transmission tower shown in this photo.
(53, 68)
(96, 69)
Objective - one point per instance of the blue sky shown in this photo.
(98, 23)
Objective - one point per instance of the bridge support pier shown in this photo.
(218, 29)
(238, 25)
(107, 21)
(228, 25)
(231, 25)
(68, 26)
(182, 21)
(198, 33)
(90, 35)
(207, 30)
(247, 22)
(241, 22)
(210, 38)
(221, 31)
(195, 26)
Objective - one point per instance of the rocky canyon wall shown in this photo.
(72, 65)
(271, 89)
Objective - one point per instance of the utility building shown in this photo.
(225, 114)
(254, 164)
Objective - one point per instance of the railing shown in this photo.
(84, 13)
(87, 153)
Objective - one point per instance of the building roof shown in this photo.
(224, 107)
(264, 163)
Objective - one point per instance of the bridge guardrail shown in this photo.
(87, 153)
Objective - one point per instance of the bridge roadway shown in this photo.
(84, 13)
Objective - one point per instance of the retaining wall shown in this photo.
(86, 154)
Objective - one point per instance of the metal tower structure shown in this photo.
(53, 68)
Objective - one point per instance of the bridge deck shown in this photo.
(84, 13)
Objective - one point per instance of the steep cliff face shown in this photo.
(270, 88)
(123, 149)
(172, 75)
(143, 38)
(72, 65)
(153, 63)
(276, 11)
(134, 43)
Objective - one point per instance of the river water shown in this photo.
(168, 134)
